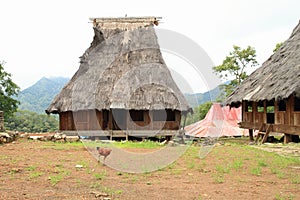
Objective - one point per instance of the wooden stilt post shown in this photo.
(251, 135)
(287, 138)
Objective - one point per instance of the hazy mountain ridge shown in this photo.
(37, 97)
(200, 98)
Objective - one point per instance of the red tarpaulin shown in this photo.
(218, 122)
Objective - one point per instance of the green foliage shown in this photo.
(26, 121)
(199, 113)
(234, 67)
(8, 89)
(278, 45)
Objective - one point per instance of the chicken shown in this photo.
(103, 152)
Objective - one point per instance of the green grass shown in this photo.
(111, 191)
(284, 196)
(278, 172)
(223, 168)
(83, 163)
(147, 144)
(30, 168)
(218, 178)
(62, 145)
(262, 163)
(100, 176)
(237, 164)
(95, 185)
(295, 179)
(35, 175)
(191, 164)
(55, 179)
(256, 171)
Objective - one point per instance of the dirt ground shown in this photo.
(47, 170)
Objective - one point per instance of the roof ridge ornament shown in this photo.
(123, 22)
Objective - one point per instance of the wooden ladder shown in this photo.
(262, 134)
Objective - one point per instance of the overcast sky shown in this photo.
(46, 38)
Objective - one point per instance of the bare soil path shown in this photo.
(47, 170)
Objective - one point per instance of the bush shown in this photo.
(27, 121)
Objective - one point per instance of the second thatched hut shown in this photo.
(270, 96)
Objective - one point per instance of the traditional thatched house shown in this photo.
(123, 85)
(270, 96)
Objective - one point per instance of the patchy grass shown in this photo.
(282, 196)
(62, 145)
(100, 176)
(295, 179)
(218, 178)
(34, 175)
(55, 179)
(234, 162)
(237, 164)
(256, 171)
(30, 168)
(146, 144)
(223, 168)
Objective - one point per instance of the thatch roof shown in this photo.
(122, 69)
(278, 77)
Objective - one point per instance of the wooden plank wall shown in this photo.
(93, 120)
(289, 119)
(154, 125)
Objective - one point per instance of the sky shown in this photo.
(46, 38)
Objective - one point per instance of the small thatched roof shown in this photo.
(278, 77)
(122, 69)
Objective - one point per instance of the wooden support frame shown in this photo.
(285, 121)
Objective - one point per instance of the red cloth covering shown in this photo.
(218, 122)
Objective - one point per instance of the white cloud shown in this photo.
(45, 38)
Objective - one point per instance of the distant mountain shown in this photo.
(38, 97)
(200, 98)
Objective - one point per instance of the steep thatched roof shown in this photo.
(277, 78)
(122, 69)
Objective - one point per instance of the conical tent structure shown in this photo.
(219, 122)
(122, 83)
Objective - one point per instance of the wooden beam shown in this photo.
(251, 125)
(279, 128)
(289, 129)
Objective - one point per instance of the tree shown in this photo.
(234, 67)
(278, 45)
(8, 89)
(27, 121)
